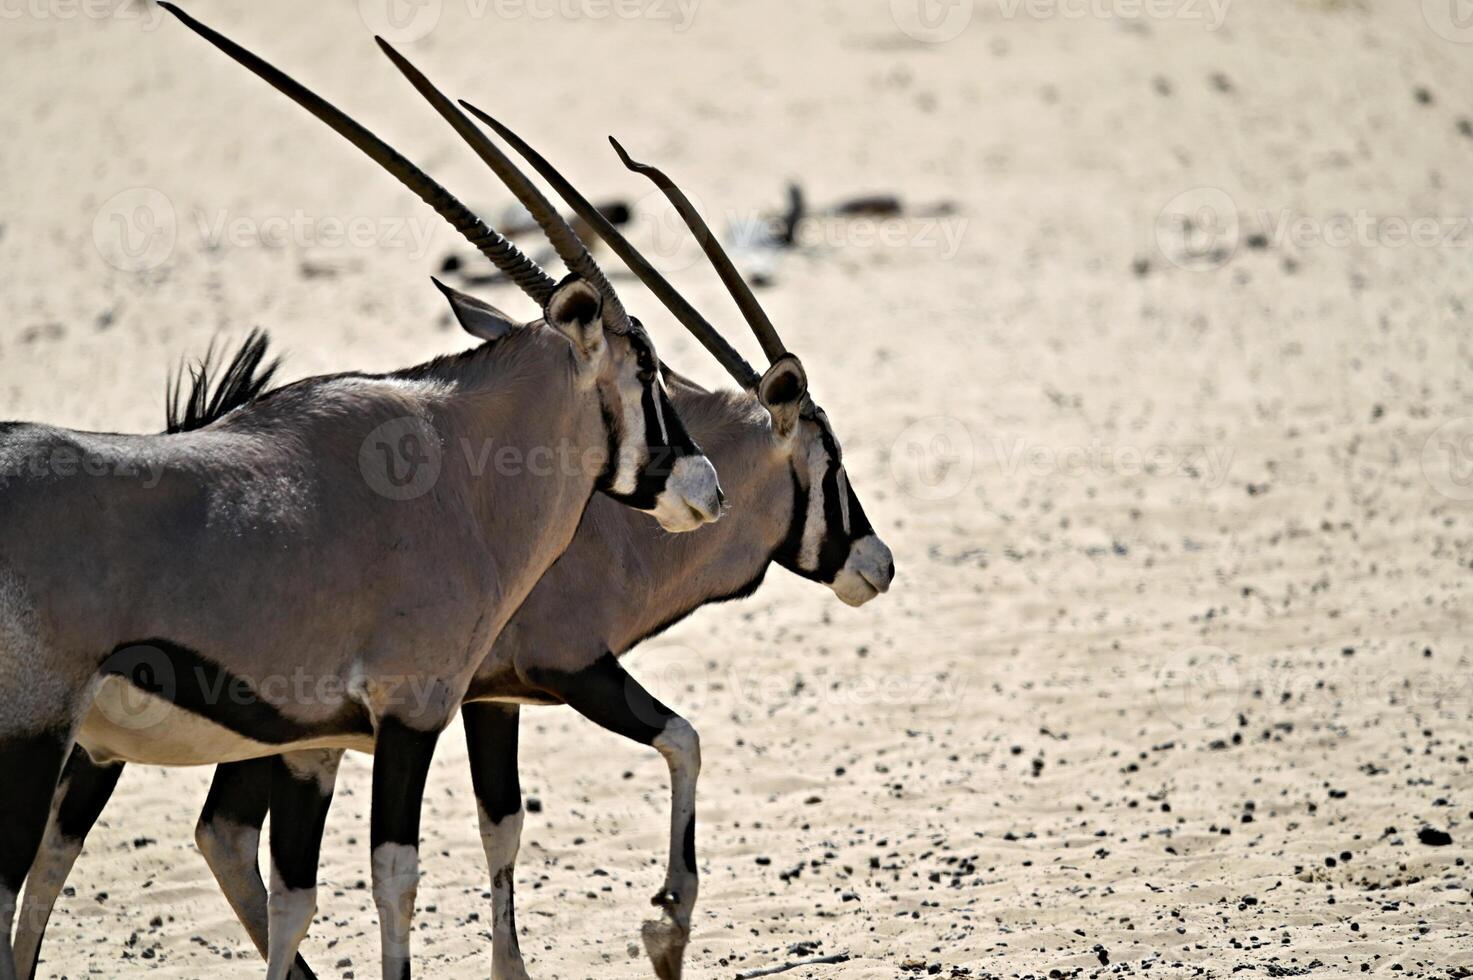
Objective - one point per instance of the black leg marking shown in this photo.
(491, 739)
(83, 793)
(86, 788)
(31, 766)
(690, 845)
(401, 765)
(605, 694)
(299, 817)
(240, 793)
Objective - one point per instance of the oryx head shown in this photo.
(653, 465)
(829, 538)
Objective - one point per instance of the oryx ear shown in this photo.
(479, 318)
(781, 392)
(576, 311)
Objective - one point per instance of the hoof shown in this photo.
(665, 943)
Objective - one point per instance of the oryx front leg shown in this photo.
(401, 764)
(32, 765)
(84, 791)
(491, 737)
(301, 792)
(605, 694)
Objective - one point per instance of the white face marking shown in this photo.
(633, 450)
(814, 528)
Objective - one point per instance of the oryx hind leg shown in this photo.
(84, 791)
(491, 737)
(605, 694)
(229, 836)
(301, 792)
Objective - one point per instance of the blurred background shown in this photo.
(1145, 325)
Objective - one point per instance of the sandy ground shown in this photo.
(1177, 667)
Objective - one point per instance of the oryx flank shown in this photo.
(324, 567)
(791, 503)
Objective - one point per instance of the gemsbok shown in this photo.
(791, 503)
(327, 566)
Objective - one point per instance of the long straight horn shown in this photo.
(709, 337)
(569, 247)
(522, 270)
(772, 344)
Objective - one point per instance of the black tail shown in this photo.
(244, 380)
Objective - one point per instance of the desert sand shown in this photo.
(1167, 420)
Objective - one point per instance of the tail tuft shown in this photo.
(243, 381)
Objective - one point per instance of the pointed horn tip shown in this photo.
(386, 47)
(485, 117)
(624, 156)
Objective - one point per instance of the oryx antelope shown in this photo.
(791, 503)
(286, 585)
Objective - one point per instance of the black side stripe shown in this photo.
(196, 684)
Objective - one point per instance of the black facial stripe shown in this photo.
(859, 525)
(786, 554)
(662, 450)
(833, 550)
